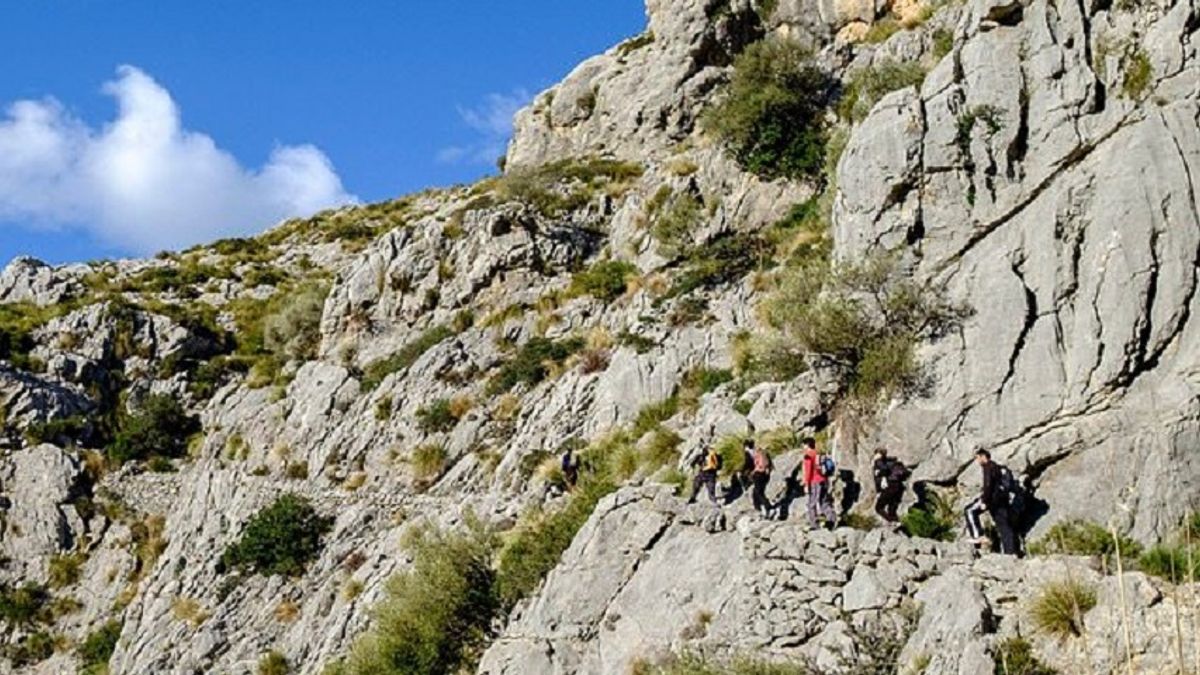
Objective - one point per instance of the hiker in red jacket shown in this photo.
(817, 472)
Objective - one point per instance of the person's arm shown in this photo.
(808, 469)
(989, 485)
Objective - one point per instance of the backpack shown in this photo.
(567, 464)
(1010, 488)
(825, 466)
(897, 472)
(762, 463)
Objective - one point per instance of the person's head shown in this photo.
(748, 445)
(982, 457)
(809, 443)
(880, 453)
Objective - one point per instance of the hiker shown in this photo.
(760, 476)
(570, 468)
(995, 498)
(708, 465)
(818, 470)
(890, 474)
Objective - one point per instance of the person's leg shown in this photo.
(881, 505)
(972, 514)
(710, 483)
(1008, 539)
(827, 509)
(813, 504)
(697, 482)
(892, 499)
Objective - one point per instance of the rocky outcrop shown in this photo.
(644, 578)
(1034, 179)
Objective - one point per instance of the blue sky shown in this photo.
(130, 126)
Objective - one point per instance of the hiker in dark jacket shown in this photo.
(890, 474)
(570, 468)
(994, 499)
(760, 475)
(707, 466)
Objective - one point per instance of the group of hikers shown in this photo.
(814, 477)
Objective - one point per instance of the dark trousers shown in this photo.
(1000, 517)
(707, 480)
(888, 501)
(758, 492)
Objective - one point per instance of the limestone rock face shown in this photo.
(1060, 206)
(1042, 174)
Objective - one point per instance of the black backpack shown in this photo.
(897, 472)
(1010, 489)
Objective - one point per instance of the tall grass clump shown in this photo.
(1059, 608)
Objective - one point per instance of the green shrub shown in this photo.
(881, 30)
(294, 329)
(934, 519)
(722, 261)
(35, 648)
(1173, 562)
(561, 187)
(638, 343)
(279, 539)
(273, 663)
(1059, 607)
(605, 280)
(943, 43)
(438, 416)
(700, 381)
(1014, 656)
(428, 461)
(529, 365)
(672, 224)
(159, 426)
(867, 85)
(864, 319)
(24, 604)
(1081, 537)
(536, 545)
(654, 414)
(60, 431)
(1138, 74)
(18, 321)
(377, 371)
(771, 116)
(63, 570)
(98, 647)
(635, 43)
(437, 617)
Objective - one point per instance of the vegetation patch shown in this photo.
(158, 427)
(280, 539)
(24, 604)
(1081, 537)
(438, 416)
(98, 647)
(606, 280)
(531, 364)
(695, 663)
(565, 186)
(1059, 607)
(377, 371)
(770, 119)
(867, 86)
(935, 518)
(1014, 656)
(438, 616)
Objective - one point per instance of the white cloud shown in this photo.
(143, 182)
(492, 123)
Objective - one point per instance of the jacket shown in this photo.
(990, 494)
(882, 470)
(812, 472)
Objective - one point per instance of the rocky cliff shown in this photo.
(425, 360)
